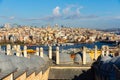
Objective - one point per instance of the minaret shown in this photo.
(7, 25)
(37, 51)
(57, 55)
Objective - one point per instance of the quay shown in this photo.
(17, 64)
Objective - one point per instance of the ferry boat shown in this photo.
(91, 52)
(106, 41)
(30, 51)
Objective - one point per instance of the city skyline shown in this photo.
(78, 13)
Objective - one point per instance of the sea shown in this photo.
(66, 47)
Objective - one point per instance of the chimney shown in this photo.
(37, 51)
(50, 52)
(8, 49)
(25, 51)
(84, 55)
(41, 52)
(57, 55)
(95, 54)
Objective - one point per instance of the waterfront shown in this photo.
(66, 47)
(51, 35)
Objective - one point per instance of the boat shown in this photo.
(91, 52)
(30, 51)
(106, 41)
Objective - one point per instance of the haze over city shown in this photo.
(75, 13)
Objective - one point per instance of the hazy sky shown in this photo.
(80, 13)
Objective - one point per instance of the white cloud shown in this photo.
(117, 17)
(56, 11)
(78, 11)
(12, 17)
(6, 17)
(72, 9)
(66, 10)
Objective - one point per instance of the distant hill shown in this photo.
(114, 30)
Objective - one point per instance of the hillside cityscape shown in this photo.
(52, 35)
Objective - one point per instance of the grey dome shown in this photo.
(40, 62)
(116, 61)
(38, 59)
(6, 66)
(105, 69)
(45, 57)
(88, 58)
(17, 62)
(30, 64)
(2, 52)
(106, 66)
(68, 51)
(105, 58)
(65, 58)
(78, 58)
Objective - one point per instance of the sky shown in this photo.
(99, 14)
